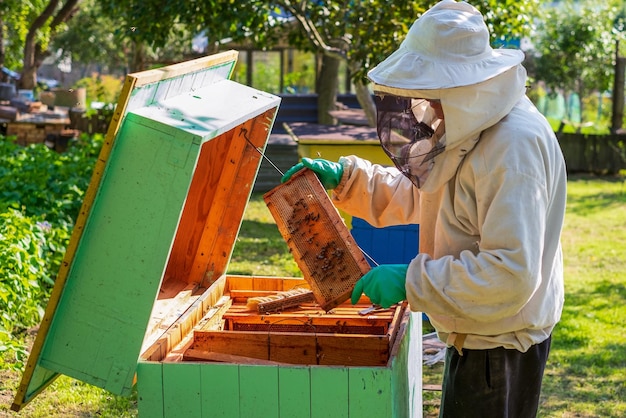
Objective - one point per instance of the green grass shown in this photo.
(586, 372)
(66, 398)
(586, 375)
(260, 249)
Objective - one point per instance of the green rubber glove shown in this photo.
(328, 172)
(383, 284)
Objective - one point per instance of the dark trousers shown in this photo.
(494, 383)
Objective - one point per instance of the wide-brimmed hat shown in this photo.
(448, 46)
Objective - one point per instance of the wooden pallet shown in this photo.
(329, 257)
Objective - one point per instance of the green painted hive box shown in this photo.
(143, 300)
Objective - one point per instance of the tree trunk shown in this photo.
(327, 89)
(28, 79)
(366, 101)
(618, 92)
(2, 49)
(33, 54)
(138, 57)
(364, 96)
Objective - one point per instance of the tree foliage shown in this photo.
(14, 23)
(362, 33)
(575, 46)
(508, 20)
(91, 37)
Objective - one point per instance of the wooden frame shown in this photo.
(320, 242)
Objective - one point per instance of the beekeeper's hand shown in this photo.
(328, 172)
(383, 284)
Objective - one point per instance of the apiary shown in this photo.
(143, 300)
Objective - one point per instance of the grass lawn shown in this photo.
(586, 372)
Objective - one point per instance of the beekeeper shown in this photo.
(480, 169)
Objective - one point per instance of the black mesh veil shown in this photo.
(406, 135)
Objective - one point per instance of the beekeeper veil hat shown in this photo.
(448, 46)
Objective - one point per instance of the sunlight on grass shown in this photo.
(67, 398)
(260, 250)
(586, 372)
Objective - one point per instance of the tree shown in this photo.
(620, 70)
(15, 24)
(108, 35)
(44, 26)
(91, 38)
(359, 33)
(575, 47)
(153, 27)
(509, 20)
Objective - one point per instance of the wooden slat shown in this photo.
(258, 391)
(195, 313)
(253, 345)
(392, 332)
(297, 318)
(214, 317)
(166, 311)
(181, 386)
(284, 301)
(150, 385)
(221, 384)
(297, 348)
(238, 282)
(294, 392)
(370, 393)
(329, 392)
(182, 68)
(349, 350)
(200, 355)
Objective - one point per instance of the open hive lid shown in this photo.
(161, 214)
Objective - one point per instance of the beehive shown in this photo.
(35, 132)
(145, 273)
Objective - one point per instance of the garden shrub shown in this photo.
(41, 192)
(30, 254)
